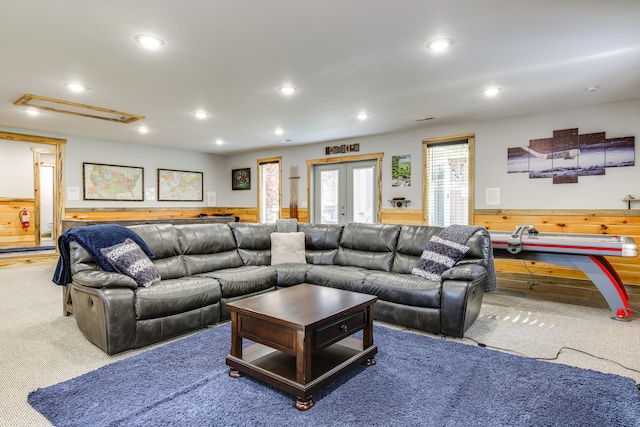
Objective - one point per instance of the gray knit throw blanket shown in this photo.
(461, 234)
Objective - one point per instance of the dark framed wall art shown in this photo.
(241, 179)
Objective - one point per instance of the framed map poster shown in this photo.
(112, 182)
(180, 186)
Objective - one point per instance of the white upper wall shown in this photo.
(79, 150)
(16, 169)
(493, 138)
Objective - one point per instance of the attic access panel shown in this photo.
(67, 107)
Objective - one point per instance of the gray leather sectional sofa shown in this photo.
(205, 266)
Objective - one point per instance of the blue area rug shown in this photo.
(418, 381)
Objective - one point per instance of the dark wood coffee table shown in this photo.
(302, 337)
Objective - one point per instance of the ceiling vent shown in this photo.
(67, 107)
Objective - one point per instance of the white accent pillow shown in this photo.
(287, 248)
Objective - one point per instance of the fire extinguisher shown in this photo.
(24, 218)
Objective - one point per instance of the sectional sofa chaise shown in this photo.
(200, 268)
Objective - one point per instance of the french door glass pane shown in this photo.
(363, 194)
(329, 197)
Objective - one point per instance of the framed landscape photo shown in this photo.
(401, 171)
(112, 182)
(241, 179)
(180, 186)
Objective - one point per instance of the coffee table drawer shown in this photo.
(268, 333)
(340, 329)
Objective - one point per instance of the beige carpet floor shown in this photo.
(40, 347)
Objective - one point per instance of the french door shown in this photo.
(345, 192)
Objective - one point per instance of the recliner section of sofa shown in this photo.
(205, 266)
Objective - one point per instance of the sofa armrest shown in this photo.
(462, 291)
(103, 279)
(107, 316)
(472, 272)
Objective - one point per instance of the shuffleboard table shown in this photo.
(581, 251)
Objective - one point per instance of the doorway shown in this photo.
(345, 189)
(32, 180)
(44, 197)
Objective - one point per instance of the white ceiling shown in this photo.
(229, 57)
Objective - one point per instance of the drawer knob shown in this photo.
(343, 328)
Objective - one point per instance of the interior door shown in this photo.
(345, 192)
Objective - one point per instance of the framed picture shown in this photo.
(180, 186)
(401, 171)
(241, 179)
(112, 182)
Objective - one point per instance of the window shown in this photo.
(269, 189)
(448, 187)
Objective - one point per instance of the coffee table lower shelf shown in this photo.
(279, 369)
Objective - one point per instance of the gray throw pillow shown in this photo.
(439, 256)
(129, 259)
(287, 248)
(287, 225)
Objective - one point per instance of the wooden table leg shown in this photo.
(236, 343)
(303, 357)
(304, 404)
(367, 335)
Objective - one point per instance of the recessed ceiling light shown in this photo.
(143, 129)
(32, 111)
(492, 91)
(201, 114)
(287, 89)
(592, 88)
(219, 141)
(278, 131)
(149, 41)
(440, 44)
(362, 116)
(76, 87)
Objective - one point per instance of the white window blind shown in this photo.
(269, 190)
(447, 166)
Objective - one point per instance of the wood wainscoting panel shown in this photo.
(12, 235)
(402, 216)
(246, 214)
(103, 214)
(303, 214)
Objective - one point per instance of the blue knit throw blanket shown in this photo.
(92, 238)
(461, 234)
